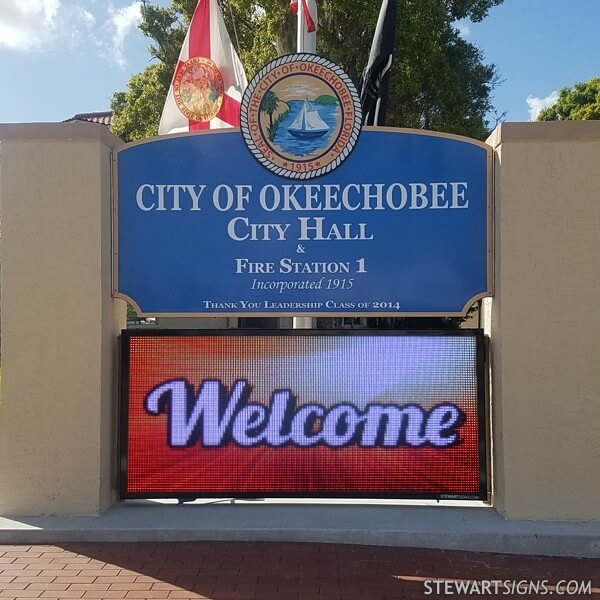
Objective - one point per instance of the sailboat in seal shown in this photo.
(308, 124)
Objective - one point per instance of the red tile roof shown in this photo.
(104, 118)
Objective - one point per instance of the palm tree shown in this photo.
(269, 104)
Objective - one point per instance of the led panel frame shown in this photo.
(421, 369)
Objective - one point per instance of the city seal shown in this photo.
(301, 116)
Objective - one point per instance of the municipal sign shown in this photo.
(401, 227)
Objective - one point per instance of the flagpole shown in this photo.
(302, 322)
(300, 24)
(307, 37)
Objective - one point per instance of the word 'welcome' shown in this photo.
(216, 416)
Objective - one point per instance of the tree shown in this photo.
(269, 105)
(578, 103)
(137, 112)
(439, 80)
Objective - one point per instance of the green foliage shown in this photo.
(269, 105)
(325, 99)
(272, 129)
(578, 103)
(137, 111)
(439, 81)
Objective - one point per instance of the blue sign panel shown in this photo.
(402, 227)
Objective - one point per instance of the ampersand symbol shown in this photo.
(301, 249)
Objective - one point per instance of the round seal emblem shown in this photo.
(301, 116)
(198, 89)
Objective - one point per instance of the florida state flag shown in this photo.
(209, 78)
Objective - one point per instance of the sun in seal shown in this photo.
(198, 89)
(301, 116)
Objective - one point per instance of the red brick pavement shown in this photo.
(266, 571)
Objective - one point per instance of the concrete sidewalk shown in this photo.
(443, 527)
(269, 571)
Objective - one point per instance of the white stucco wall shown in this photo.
(545, 322)
(59, 322)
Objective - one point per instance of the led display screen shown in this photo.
(303, 414)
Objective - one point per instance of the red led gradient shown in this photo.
(437, 368)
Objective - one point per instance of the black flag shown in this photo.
(375, 81)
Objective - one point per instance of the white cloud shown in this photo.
(463, 28)
(77, 23)
(27, 24)
(536, 105)
(121, 21)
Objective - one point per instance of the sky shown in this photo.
(62, 57)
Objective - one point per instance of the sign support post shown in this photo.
(304, 322)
